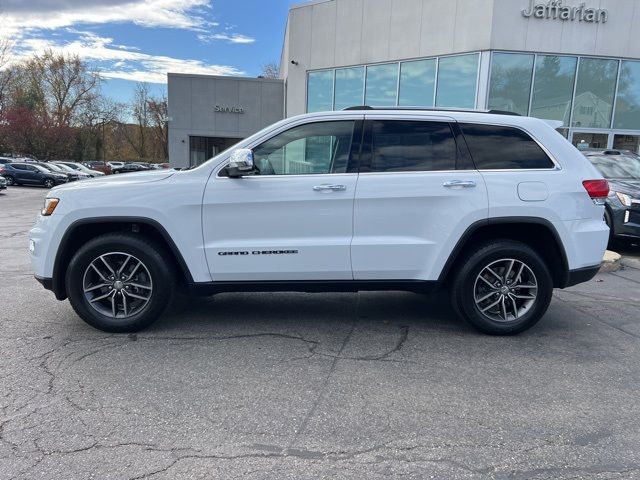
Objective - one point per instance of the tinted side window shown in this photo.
(19, 167)
(313, 148)
(410, 146)
(495, 147)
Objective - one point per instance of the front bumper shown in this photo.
(626, 222)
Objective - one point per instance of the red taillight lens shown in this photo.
(597, 188)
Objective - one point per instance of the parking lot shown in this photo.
(301, 386)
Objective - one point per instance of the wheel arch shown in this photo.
(538, 233)
(80, 231)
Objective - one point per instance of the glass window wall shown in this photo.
(595, 90)
(457, 81)
(417, 83)
(349, 87)
(627, 114)
(553, 87)
(510, 82)
(382, 85)
(320, 91)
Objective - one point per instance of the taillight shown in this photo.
(597, 189)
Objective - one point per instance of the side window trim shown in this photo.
(366, 155)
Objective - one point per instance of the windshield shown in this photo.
(41, 168)
(52, 167)
(618, 167)
(65, 168)
(69, 165)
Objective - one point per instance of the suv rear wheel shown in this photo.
(10, 180)
(503, 288)
(119, 282)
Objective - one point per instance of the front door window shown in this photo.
(314, 148)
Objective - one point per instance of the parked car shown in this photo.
(71, 177)
(99, 166)
(3, 183)
(127, 168)
(499, 208)
(31, 174)
(4, 160)
(165, 165)
(81, 175)
(80, 167)
(622, 212)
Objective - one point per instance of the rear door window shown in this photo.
(499, 148)
(411, 146)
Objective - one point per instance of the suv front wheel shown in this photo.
(119, 282)
(503, 288)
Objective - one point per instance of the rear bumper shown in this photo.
(580, 275)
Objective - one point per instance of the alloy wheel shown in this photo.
(117, 285)
(48, 183)
(505, 290)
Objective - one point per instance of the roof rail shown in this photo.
(433, 109)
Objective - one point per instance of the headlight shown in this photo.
(50, 205)
(624, 199)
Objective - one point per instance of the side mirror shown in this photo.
(241, 162)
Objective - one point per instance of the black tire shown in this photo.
(154, 260)
(609, 221)
(467, 282)
(10, 181)
(48, 183)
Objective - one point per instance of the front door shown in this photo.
(416, 194)
(292, 220)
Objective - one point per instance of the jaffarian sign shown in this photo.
(555, 10)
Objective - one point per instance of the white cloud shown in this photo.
(231, 38)
(120, 61)
(47, 14)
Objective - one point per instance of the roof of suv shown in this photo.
(489, 117)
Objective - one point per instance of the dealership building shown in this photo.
(569, 60)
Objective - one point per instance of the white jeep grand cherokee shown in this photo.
(499, 208)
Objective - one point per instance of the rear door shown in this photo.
(417, 193)
(25, 174)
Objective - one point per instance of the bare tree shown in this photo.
(137, 137)
(270, 70)
(158, 109)
(64, 82)
(6, 71)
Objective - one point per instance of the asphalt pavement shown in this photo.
(307, 386)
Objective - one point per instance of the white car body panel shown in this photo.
(384, 226)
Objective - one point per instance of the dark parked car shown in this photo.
(129, 167)
(31, 174)
(99, 166)
(622, 212)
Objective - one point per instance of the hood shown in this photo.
(118, 179)
(630, 187)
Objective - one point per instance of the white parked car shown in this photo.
(80, 168)
(500, 209)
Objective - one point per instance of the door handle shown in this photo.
(329, 187)
(459, 184)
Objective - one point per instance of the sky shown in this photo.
(133, 41)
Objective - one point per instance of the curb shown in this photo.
(611, 262)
